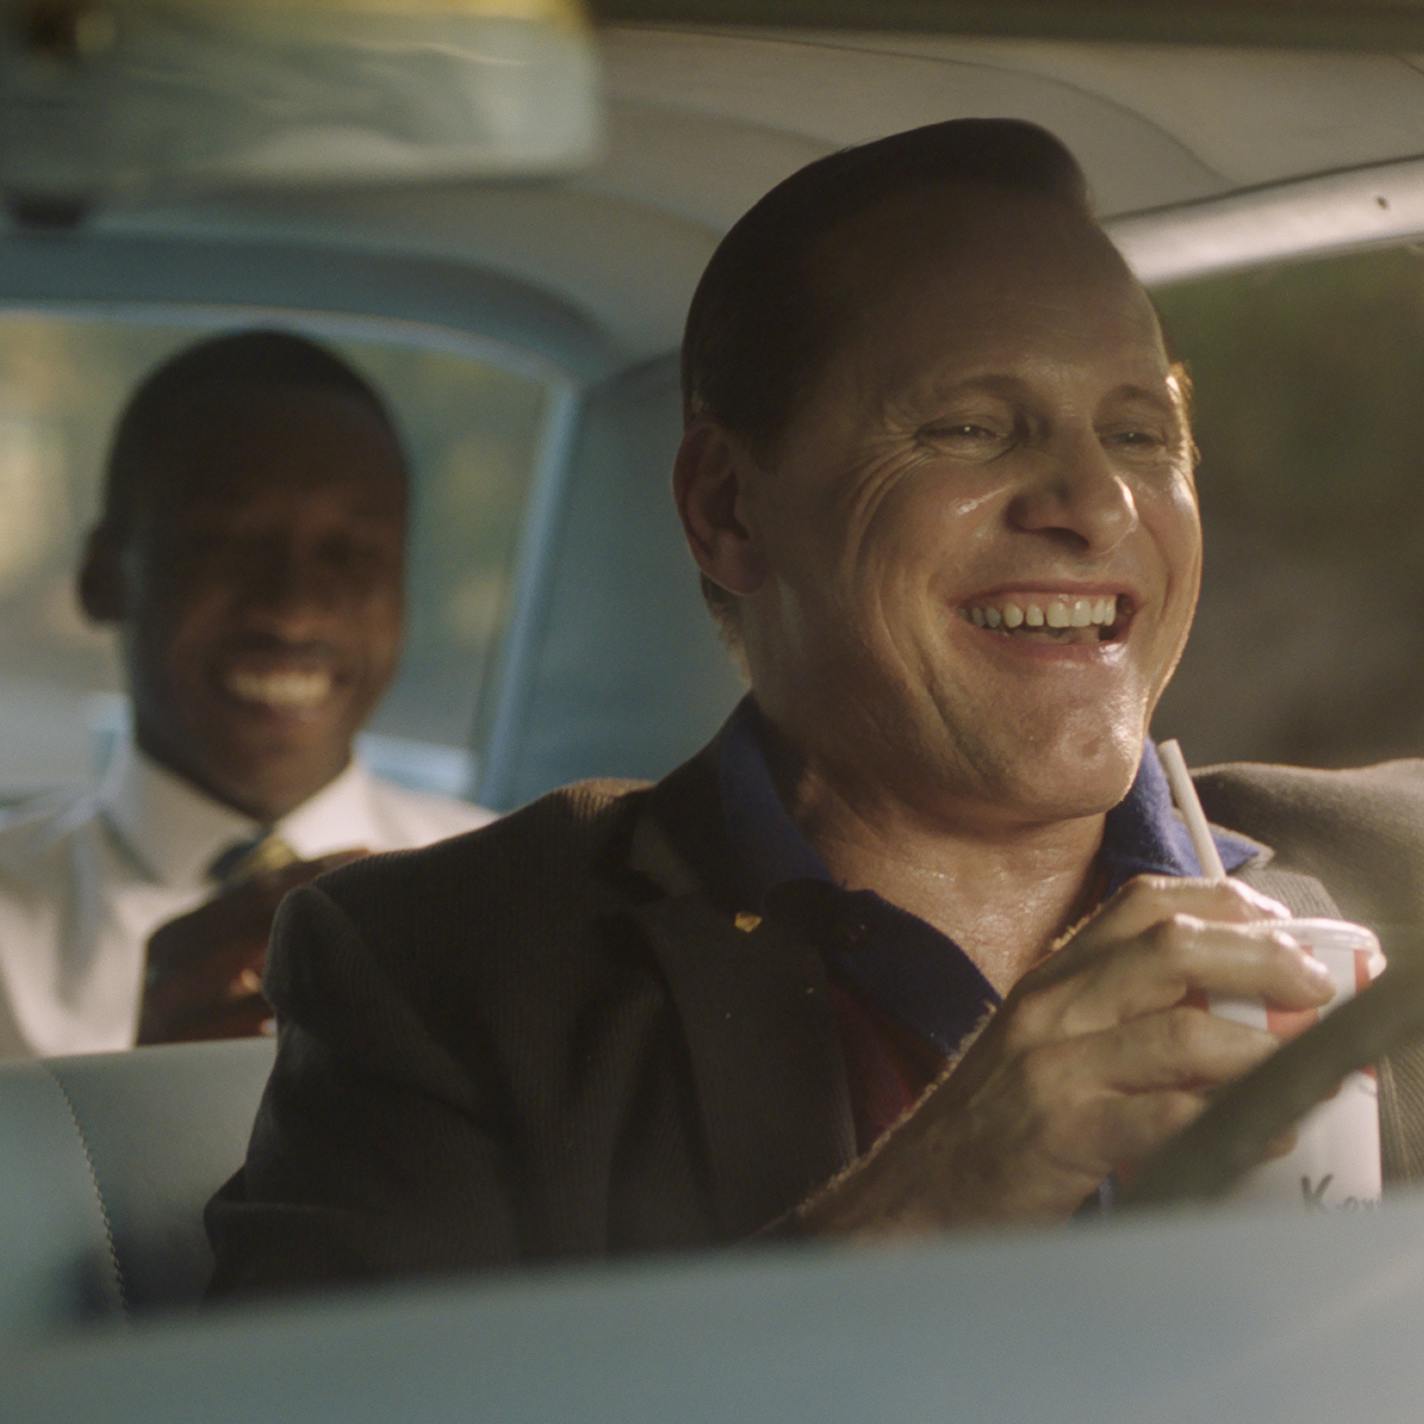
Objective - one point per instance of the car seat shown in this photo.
(106, 1162)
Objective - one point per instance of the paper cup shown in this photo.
(1335, 1164)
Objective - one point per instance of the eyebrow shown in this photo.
(1008, 387)
(1156, 398)
(233, 506)
(374, 510)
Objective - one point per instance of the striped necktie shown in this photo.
(266, 851)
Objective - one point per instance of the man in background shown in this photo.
(250, 552)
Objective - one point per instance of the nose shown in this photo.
(1078, 498)
(286, 581)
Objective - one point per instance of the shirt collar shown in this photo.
(1143, 835)
(176, 831)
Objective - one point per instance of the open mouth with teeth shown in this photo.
(1051, 618)
(288, 690)
(291, 690)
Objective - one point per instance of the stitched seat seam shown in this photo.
(98, 1190)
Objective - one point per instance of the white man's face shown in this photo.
(994, 446)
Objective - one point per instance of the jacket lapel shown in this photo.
(754, 1004)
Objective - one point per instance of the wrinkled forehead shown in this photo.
(974, 266)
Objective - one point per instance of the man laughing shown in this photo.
(251, 554)
(915, 942)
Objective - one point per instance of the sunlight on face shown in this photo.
(980, 525)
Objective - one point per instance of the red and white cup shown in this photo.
(1335, 1164)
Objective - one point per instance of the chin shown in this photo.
(1063, 780)
(268, 787)
(1088, 787)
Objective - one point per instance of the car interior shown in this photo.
(499, 211)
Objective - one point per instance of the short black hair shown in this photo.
(755, 332)
(752, 327)
(251, 360)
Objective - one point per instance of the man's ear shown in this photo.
(712, 479)
(100, 583)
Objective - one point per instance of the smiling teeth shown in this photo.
(1056, 612)
(287, 690)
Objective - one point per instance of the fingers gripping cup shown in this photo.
(1335, 1163)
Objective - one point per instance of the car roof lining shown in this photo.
(594, 273)
(1330, 213)
(1393, 24)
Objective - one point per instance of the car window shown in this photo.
(471, 419)
(1310, 420)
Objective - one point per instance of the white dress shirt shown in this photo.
(87, 876)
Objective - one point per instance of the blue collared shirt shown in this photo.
(901, 964)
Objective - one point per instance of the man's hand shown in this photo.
(204, 974)
(1095, 1059)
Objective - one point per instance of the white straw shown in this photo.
(1191, 809)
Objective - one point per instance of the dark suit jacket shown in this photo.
(550, 1038)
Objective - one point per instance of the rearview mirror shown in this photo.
(105, 101)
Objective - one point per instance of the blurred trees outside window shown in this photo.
(1309, 395)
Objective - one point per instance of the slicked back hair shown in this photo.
(241, 362)
(755, 334)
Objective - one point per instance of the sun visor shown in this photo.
(124, 101)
